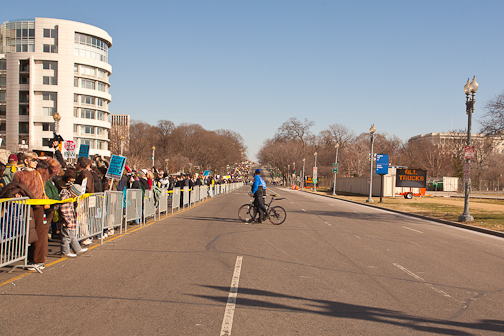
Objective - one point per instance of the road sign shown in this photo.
(382, 164)
(467, 172)
(335, 168)
(469, 152)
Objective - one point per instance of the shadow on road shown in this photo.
(351, 311)
(376, 216)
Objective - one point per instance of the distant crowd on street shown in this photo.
(42, 177)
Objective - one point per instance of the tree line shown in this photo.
(294, 142)
(187, 147)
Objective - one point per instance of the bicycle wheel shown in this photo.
(277, 215)
(246, 213)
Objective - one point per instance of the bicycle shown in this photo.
(277, 215)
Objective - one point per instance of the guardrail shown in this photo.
(95, 213)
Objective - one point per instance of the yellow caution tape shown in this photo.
(47, 201)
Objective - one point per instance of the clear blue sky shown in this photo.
(249, 66)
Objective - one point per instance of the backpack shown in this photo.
(97, 182)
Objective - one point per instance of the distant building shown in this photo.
(449, 138)
(120, 132)
(48, 66)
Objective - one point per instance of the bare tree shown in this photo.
(492, 122)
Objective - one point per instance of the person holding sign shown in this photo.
(84, 167)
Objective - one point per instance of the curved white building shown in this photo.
(52, 65)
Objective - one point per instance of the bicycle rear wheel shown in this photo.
(246, 213)
(277, 215)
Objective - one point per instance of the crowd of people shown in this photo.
(42, 177)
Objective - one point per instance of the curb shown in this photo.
(432, 219)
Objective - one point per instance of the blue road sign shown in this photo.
(382, 164)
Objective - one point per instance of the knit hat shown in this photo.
(144, 171)
(75, 190)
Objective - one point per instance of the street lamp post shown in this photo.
(153, 152)
(470, 92)
(336, 169)
(303, 183)
(288, 175)
(315, 165)
(372, 131)
(294, 174)
(57, 118)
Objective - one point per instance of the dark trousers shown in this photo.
(37, 252)
(259, 203)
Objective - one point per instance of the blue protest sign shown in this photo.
(382, 164)
(206, 173)
(84, 151)
(116, 167)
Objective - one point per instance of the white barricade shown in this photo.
(175, 199)
(185, 201)
(14, 232)
(133, 206)
(113, 213)
(192, 196)
(203, 192)
(149, 209)
(163, 202)
(90, 216)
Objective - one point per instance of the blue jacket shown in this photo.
(258, 181)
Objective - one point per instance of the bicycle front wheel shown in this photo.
(277, 215)
(246, 213)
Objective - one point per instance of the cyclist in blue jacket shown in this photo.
(258, 190)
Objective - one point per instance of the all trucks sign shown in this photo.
(413, 178)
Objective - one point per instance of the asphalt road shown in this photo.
(333, 268)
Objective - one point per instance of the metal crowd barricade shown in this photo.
(90, 215)
(175, 199)
(203, 192)
(14, 232)
(163, 202)
(113, 212)
(133, 206)
(185, 201)
(192, 196)
(149, 205)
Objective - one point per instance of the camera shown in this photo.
(54, 142)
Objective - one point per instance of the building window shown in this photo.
(45, 142)
(48, 111)
(100, 116)
(76, 68)
(76, 98)
(2, 96)
(47, 32)
(88, 114)
(100, 131)
(76, 112)
(50, 48)
(3, 80)
(87, 84)
(87, 70)
(24, 97)
(24, 78)
(100, 102)
(88, 100)
(46, 80)
(3, 127)
(88, 129)
(101, 73)
(3, 111)
(89, 142)
(101, 87)
(50, 96)
(23, 128)
(23, 110)
(48, 127)
(24, 66)
(90, 47)
(50, 65)
(76, 129)
(3, 64)
(76, 82)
